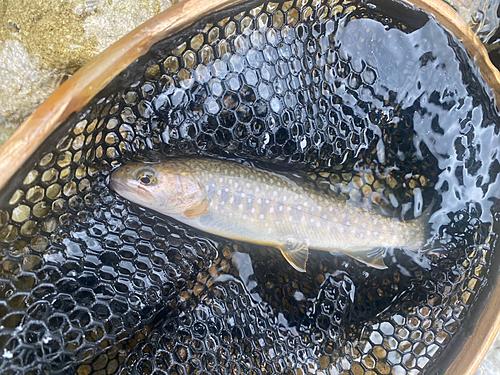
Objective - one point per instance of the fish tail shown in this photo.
(419, 229)
(417, 236)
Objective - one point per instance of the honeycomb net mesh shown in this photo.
(92, 284)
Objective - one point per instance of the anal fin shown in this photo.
(373, 258)
(297, 256)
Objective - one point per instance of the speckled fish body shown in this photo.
(256, 206)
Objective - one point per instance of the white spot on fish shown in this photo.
(330, 209)
(299, 207)
(231, 200)
(280, 208)
(267, 201)
(259, 201)
(245, 217)
(240, 206)
(261, 217)
(243, 195)
(219, 192)
(247, 185)
(221, 179)
(277, 223)
(257, 189)
(252, 210)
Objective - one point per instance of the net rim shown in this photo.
(87, 82)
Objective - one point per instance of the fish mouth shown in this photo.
(115, 185)
(131, 191)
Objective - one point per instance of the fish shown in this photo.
(248, 204)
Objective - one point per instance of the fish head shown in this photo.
(166, 187)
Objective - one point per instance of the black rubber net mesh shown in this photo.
(388, 113)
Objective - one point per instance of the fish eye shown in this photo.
(146, 178)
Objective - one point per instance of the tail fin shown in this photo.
(420, 229)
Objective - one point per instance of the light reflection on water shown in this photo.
(419, 83)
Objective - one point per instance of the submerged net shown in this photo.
(388, 113)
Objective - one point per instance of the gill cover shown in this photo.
(188, 196)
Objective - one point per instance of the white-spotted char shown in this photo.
(243, 203)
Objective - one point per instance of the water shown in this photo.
(391, 119)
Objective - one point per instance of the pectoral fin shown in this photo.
(297, 256)
(198, 209)
(373, 258)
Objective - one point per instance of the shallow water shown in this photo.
(482, 17)
(491, 363)
(34, 60)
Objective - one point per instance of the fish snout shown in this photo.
(132, 191)
(117, 178)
